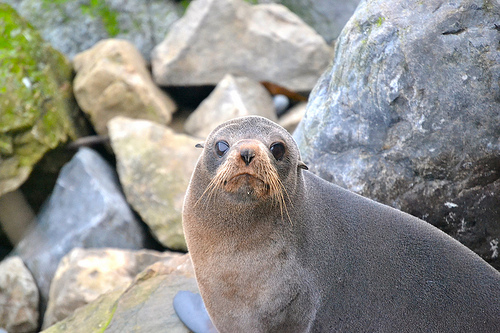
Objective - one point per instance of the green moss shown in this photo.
(109, 17)
(185, 4)
(380, 21)
(112, 313)
(94, 317)
(95, 9)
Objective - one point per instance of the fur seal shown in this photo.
(277, 249)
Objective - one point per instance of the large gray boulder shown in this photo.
(262, 42)
(86, 209)
(408, 114)
(73, 26)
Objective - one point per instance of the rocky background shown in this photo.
(102, 103)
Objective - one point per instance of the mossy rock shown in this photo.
(144, 306)
(37, 109)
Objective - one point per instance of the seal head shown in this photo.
(249, 167)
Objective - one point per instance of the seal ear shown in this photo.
(200, 145)
(302, 165)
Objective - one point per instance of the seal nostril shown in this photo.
(247, 155)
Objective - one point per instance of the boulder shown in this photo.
(263, 42)
(145, 306)
(85, 274)
(154, 165)
(327, 17)
(18, 297)
(86, 209)
(232, 97)
(408, 114)
(112, 80)
(38, 112)
(73, 26)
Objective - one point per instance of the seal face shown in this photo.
(277, 249)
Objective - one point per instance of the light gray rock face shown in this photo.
(86, 209)
(233, 97)
(262, 42)
(18, 297)
(327, 17)
(155, 166)
(85, 274)
(112, 80)
(73, 26)
(408, 114)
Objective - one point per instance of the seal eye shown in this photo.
(221, 147)
(278, 150)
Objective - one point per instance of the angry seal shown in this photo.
(277, 249)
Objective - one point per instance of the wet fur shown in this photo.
(346, 264)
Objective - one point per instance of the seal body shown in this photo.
(277, 249)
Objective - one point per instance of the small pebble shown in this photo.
(281, 103)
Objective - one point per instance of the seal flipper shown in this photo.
(200, 145)
(192, 312)
(302, 165)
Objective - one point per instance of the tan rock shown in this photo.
(145, 306)
(264, 42)
(18, 297)
(233, 97)
(85, 274)
(154, 165)
(112, 80)
(292, 118)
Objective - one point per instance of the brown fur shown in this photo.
(277, 249)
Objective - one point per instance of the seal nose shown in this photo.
(247, 155)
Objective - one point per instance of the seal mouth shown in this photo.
(245, 175)
(247, 183)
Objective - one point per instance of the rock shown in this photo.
(112, 80)
(232, 97)
(262, 42)
(291, 119)
(145, 306)
(281, 104)
(86, 209)
(408, 114)
(18, 297)
(327, 17)
(16, 215)
(154, 165)
(84, 275)
(73, 26)
(38, 113)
